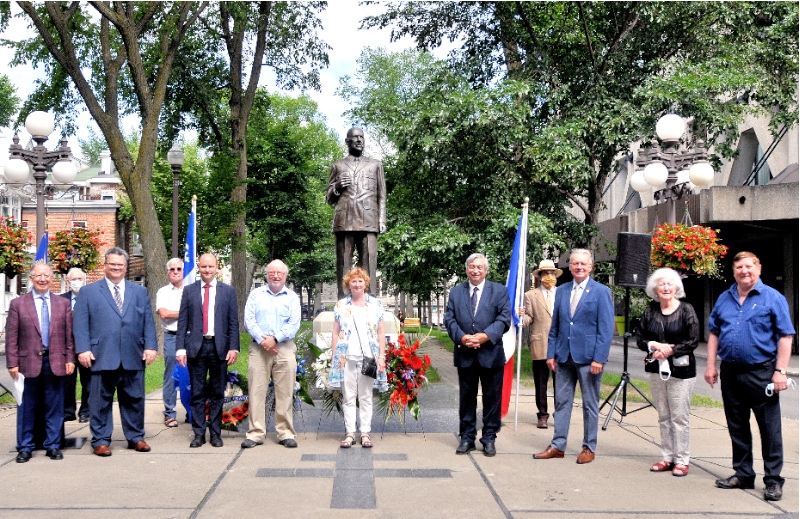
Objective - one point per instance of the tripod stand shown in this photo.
(625, 381)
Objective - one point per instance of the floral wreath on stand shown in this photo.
(405, 373)
(235, 404)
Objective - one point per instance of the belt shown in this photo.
(169, 332)
(208, 337)
(44, 353)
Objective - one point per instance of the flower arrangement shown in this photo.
(405, 373)
(14, 240)
(688, 249)
(76, 247)
(235, 404)
(321, 368)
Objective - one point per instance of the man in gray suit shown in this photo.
(115, 336)
(358, 190)
(577, 350)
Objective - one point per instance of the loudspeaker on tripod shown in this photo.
(633, 259)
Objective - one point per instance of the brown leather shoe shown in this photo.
(549, 452)
(542, 423)
(140, 446)
(102, 450)
(586, 456)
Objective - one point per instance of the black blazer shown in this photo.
(492, 317)
(190, 320)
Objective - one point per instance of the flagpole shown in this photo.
(520, 294)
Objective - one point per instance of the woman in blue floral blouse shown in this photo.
(357, 333)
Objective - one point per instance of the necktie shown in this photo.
(548, 301)
(473, 301)
(206, 295)
(576, 296)
(45, 323)
(72, 302)
(118, 298)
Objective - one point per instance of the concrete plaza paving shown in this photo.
(411, 471)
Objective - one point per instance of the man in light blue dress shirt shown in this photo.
(272, 318)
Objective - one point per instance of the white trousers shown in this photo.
(673, 400)
(356, 384)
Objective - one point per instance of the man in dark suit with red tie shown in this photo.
(478, 314)
(39, 346)
(208, 341)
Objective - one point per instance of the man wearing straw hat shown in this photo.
(537, 314)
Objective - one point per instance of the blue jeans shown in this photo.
(170, 393)
(568, 374)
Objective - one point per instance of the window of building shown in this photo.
(79, 224)
(761, 172)
(107, 194)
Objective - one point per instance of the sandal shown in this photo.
(366, 442)
(170, 422)
(680, 470)
(662, 466)
(348, 441)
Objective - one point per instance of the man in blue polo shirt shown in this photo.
(751, 330)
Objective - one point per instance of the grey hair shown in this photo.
(36, 264)
(279, 263)
(76, 270)
(116, 251)
(668, 274)
(582, 251)
(474, 256)
(174, 262)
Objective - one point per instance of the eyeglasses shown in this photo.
(666, 284)
(116, 265)
(41, 276)
(176, 269)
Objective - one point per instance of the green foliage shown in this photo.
(9, 102)
(75, 248)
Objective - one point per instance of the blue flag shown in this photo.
(516, 271)
(190, 254)
(41, 252)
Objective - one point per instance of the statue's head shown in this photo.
(355, 141)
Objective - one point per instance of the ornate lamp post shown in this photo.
(175, 158)
(675, 172)
(17, 170)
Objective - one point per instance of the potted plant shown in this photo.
(14, 241)
(687, 249)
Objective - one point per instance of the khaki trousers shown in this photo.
(281, 367)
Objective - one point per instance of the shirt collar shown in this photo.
(581, 284)
(480, 286)
(46, 295)
(212, 283)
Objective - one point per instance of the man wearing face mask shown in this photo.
(76, 278)
(538, 314)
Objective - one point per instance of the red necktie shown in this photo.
(206, 297)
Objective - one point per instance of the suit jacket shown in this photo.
(587, 335)
(362, 205)
(190, 320)
(538, 318)
(115, 338)
(24, 336)
(492, 317)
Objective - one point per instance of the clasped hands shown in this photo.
(474, 341)
(660, 350)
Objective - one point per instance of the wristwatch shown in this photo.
(781, 371)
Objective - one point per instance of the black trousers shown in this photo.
(491, 381)
(207, 364)
(743, 391)
(70, 403)
(540, 375)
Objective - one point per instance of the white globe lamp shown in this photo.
(638, 183)
(40, 124)
(701, 174)
(670, 127)
(656, 174)
(64, 172)
(17, 171)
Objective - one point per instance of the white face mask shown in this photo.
(75, 285)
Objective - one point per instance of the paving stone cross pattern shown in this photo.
(354, 475)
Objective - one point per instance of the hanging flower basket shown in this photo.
(75, 248)
(14, 243)
(688, 249)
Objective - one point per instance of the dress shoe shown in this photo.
(23, 456)
(55, 454)
(289, 443)
(216, 441)
(197, 441)
(734, 482)
(542, 424)
(83, 418)
(102, 450)
(69, 417)
(140, 446)
(465, 447)
(489, 450)
(549, 452)
(773, 492)
(586, 456)
(249, 444)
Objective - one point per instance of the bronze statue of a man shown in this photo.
(357, 188)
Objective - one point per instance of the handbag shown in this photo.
(369, 366)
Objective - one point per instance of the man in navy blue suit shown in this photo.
(577, 349)
(115, 336)
(208, 336)
(478, 314)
